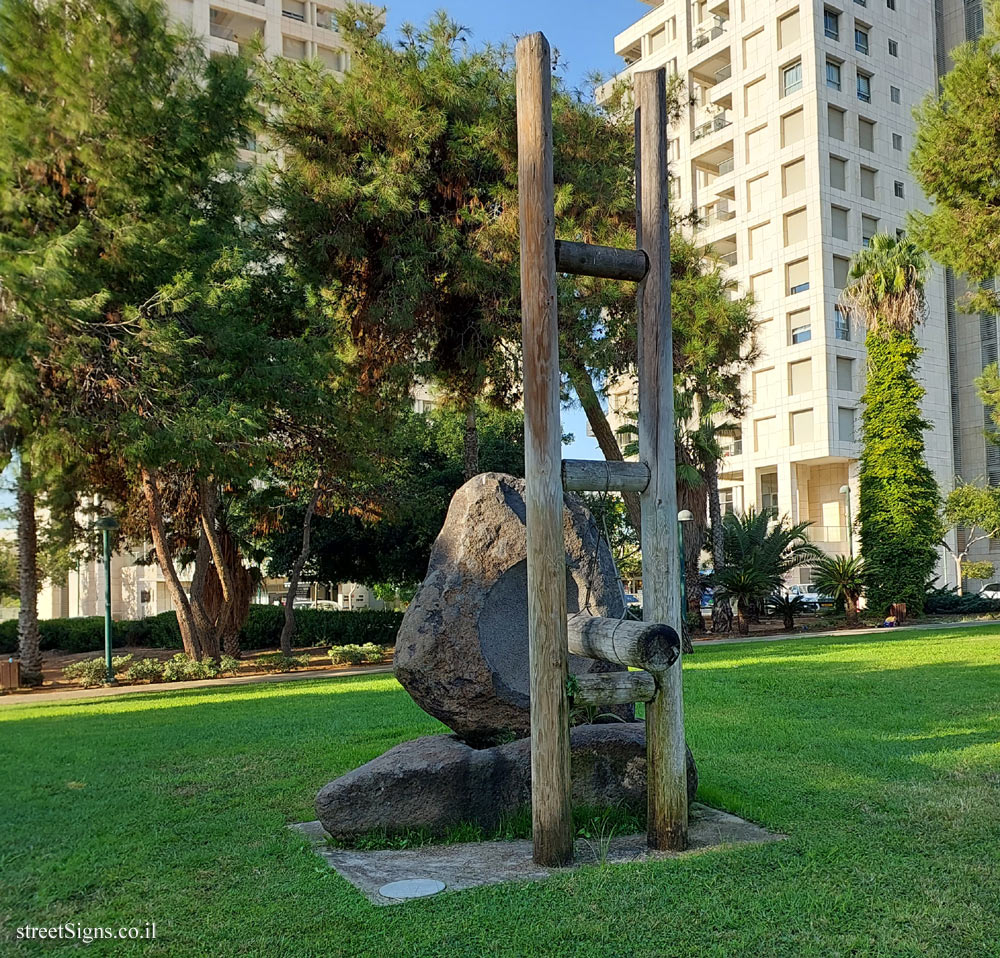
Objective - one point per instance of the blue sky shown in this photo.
(582, 32)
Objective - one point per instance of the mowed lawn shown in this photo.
(878, 756)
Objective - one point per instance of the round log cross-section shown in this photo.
(643, 645)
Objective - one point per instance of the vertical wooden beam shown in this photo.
(552, 820)
(665, 747)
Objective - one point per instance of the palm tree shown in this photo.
(841, 577)
(759, 552)
(787, 606)
(899, 499)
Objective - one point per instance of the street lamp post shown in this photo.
(683, 517)
(106, 525)
(845, 491)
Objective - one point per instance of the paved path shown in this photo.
(30, 698)
(23, 698)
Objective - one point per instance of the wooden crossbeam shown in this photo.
(597, 475)
(643, 645)
(604, 262)
(613, 688)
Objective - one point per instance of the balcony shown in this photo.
(727, 166)
(729, 259)
(734, 448)
(706, 35)
(294, 10)
(718, 122)
(718, 212)
(325, 19)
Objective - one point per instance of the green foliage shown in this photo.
(93, 672)
(787, 606)
(8, 571)
(228, 665)
(261, 631)
(886, 285)
(983, 570)
(899, 499)
(420, 468)
(279, 662)
(843, 577)
(356, 654)
(956, 161)
(182, 668)
(948, 602)
(144, 670)
(975, 507)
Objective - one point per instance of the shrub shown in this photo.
(145, 670)
(372, 653)
(93, 672)
(228, 664)
(278, 662)
(948, 601)
(261, 631)
(182, 668)
(346, 654)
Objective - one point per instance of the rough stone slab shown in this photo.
(437, 782)
(462, 647)
(473, 864)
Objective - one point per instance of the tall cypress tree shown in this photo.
(899, 498)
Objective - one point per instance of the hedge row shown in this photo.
(951, 603)
(262, 630)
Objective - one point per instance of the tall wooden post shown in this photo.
(552, 819)
(665, 747)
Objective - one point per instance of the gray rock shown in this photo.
(462, 649)
(438, 782)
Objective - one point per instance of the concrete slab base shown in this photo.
(472, 864)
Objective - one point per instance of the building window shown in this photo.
(898, 189)
(869, 227)
(792, 127)
(891, 4)
(841, 331)
(793, 178)
(726, 501)
(893, 48)
(800, 377)
(801, 333)
(831, 24)
(838, 222)
(845, 424)
(797, 276)
(868, 183)
(796, 227)
(835, 122)
(864, 87)
(845, 374)
(791, 78)
(801, 426)
(861, 3)
(900, 235)
(897, 141)
(841, 268)
(861, 40)
(866, 135)
(832, 74)
(838, 173)
(893, 93)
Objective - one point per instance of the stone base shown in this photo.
(437, 782)
(473, 864)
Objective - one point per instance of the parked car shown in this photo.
(631, 599)
(811, 598)
(991, 591)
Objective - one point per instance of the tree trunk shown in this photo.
(288, 629)
(584, 386)
(209, 507)
(203, 616)
(470, 442)
(158, 532)
(958, 568)
(851, 608)
(788, 621)
(715, 514)
(742, 622)
(28, 636)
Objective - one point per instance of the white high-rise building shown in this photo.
(795, 150)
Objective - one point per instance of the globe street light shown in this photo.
(106, 525)
(845, 491)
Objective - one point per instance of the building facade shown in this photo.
(794, 151)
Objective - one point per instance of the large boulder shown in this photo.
(462, 649)
(437, 782)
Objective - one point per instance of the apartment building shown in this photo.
(795, 152)
(297, 29)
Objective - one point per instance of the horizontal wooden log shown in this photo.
(613, 688)
(643, 645)
(604, 262)
(596, 475)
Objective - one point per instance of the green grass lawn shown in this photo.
(877, 755)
